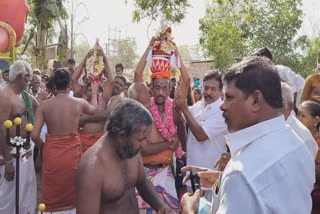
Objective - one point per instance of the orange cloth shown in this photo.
(163, 157)
(61, 156)
(161, 75)
(311, 89)
(87, 140)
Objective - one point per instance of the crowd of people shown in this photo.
(250, 133)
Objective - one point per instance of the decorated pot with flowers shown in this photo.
(164, 55)
(95, 64)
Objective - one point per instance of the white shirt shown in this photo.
(71, 93)
(304, 134)
(3, 84)
(291, 78)
(205, 154)
(270, 171)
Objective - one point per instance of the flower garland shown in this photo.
(166, 46)
(167, 130)
(94, 67)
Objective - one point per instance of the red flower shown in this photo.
(158, 46)
(169, 29)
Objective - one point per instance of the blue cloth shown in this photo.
(204, 206)
(196, 83)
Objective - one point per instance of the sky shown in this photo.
(117, 16)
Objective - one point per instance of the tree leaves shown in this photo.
(233, 29)
(171, 10)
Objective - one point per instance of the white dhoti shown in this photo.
(27, 188)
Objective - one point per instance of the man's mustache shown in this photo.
(160, 96)
(208, 96)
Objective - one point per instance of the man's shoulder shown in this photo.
(313, 77)
(90, 163)
(270, 148)
(5, 99)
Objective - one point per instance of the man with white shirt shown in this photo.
(271, 170)
(205, 141)
(294, 123)
(295, 81)
(5, 79)
(286, 75)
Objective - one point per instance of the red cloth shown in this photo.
(87, 140)
(61, 156)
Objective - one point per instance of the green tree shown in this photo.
(222, 37)
(184, 51)
(80, 51)
(43, 16)
(233, 29)
(171, 10)
(274, 24)
(124, 51)
(308, 63)
(188, 52)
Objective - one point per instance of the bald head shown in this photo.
(138, 91)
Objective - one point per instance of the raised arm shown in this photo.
(107, 70)
(182, 90)
(180, 122)
(193, 125)
(107, 85)
(142, 63)
(76, 87)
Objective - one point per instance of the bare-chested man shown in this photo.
(158, 152)
(15, 102)
(35, 89)
(92, 127)
(111, 169)
(62, 149)
(41, 95)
